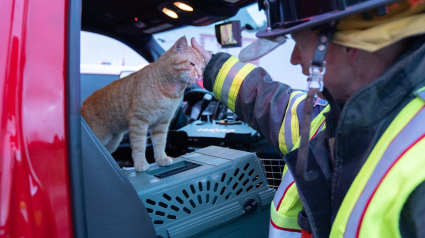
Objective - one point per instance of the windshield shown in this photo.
(102, 53)
(277, 63)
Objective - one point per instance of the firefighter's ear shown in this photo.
(181, 44)
(351, 53)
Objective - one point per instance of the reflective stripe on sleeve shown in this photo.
(290, 130)
(229, 80)
(236, 84)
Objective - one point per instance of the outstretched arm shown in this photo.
(272, 108)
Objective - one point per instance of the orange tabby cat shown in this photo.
(145, 99)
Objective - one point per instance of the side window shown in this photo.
(104, 60)
(92, 82)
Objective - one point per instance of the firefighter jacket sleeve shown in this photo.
(270, 107)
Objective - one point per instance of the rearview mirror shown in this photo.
(229, 34)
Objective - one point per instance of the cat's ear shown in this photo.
(181, 44)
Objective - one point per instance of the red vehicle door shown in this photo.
(35, 189)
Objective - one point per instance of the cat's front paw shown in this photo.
(141, 166)
(165, 161)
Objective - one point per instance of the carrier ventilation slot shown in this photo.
(177, 170)
(198, 195)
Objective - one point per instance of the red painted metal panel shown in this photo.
(34, 186)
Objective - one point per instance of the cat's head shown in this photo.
(186, 63)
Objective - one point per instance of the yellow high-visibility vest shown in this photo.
(287, 203)
(372, 205)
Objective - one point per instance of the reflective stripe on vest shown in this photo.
(421, 93)
(392, 171)
(229, 80)
(317, 125)
(286, 203)
(277, 232)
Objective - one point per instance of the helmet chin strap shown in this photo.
(315, 85)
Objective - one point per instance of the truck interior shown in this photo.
(209, 190)
(134, 21)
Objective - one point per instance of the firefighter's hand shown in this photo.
(205, 54)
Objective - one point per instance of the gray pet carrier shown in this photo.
(212, 192)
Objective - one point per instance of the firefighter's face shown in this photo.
(337, 68)
(305, 45)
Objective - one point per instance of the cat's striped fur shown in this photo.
(145, 99)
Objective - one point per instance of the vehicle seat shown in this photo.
(113, 208)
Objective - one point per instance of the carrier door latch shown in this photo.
(249, 206)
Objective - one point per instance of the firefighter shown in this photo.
(361, 175)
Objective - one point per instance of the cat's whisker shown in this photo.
(185, 85)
